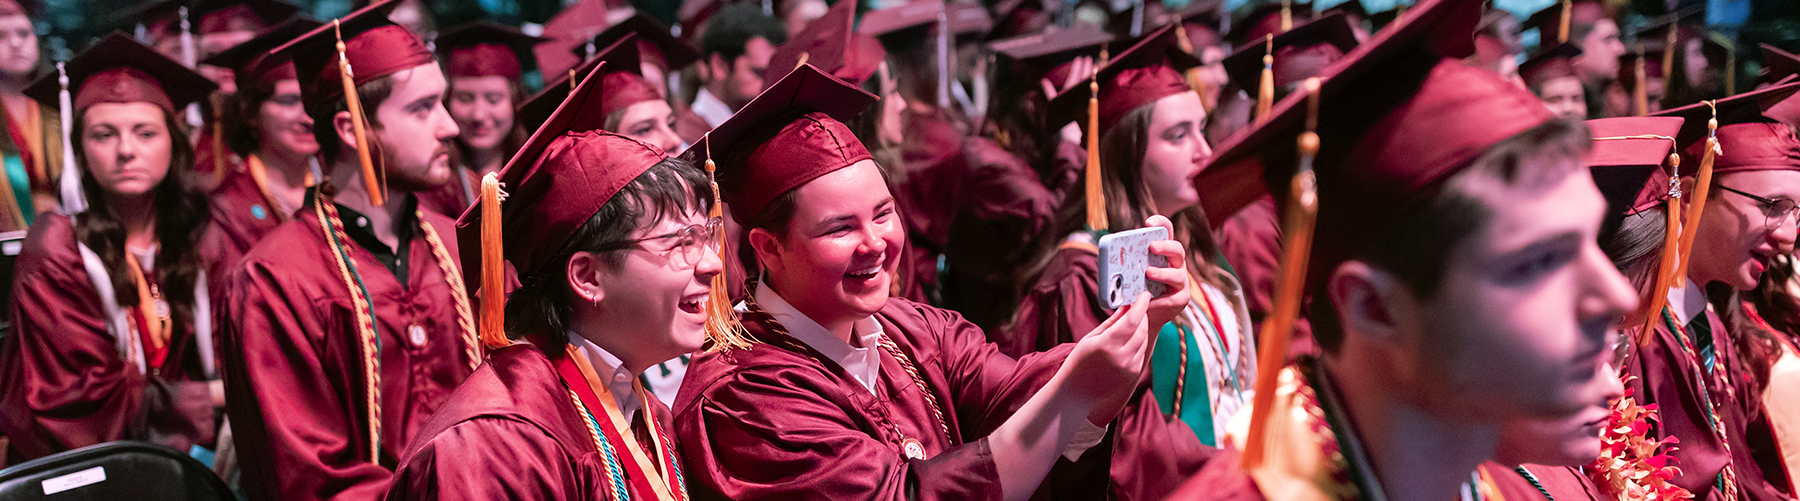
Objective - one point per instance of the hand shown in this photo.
(1164, 308)
(1107, 364)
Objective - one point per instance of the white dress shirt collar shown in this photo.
(862, 361)
(1687, 302)
(710, 108)
(619, 381)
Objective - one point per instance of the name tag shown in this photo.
(81, 478)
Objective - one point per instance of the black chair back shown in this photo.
(123, 470)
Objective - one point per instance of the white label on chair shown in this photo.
(81, 478)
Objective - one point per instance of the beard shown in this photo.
(424, 176)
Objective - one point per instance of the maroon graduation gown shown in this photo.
(1563, 483)
(67, 385)
(1003, 208)
(1666, 376)
(778, 421)
(1063, 175)
(510, 432)
(1058, 307)
(293, 368)
(450, 200)
(1251, 242)
(928, 189)
(241, 217)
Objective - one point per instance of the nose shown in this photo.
(1612, 388)
(872, 241)
(1607, 293)
(446, 126)
(1205, 151)
(1785, 232)
(711, 264)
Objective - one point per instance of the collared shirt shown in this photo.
(862, 362)
(710, 108)
(610, 368)
(1687, 301)
(357, 227)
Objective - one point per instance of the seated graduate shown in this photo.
(111, 306)
(835, 390)
(1457, 283)
(617, 255)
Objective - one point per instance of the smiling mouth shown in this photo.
(865, 274)
(694, 304)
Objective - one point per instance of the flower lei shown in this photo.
(1629, 467)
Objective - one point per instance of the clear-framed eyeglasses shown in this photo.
(687, 245)
(1777, 210)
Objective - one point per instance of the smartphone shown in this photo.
(1123, 258)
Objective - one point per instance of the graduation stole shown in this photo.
(367, 336)
(260, 175)
(634, 470)
(153, 310)
(1727, 480)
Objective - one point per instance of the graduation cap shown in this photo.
(1379, 132)
(116, 69)
(209, 16)
(1646, 60)
(1778, 64)
(622, 85)
(1351, 8)
(485, 49)
(968, 19)
(370, 46)
(1748, 107)
(1271, 17)
(18, 8)
(1048, 54)
(1554, 62)
(1138, 76)
(832, 44)
(1019, 17)
(1554, 22)
(247, 60)
(1632, 162)
(1246, 66)
(656, 45)
(909, 28)
(574, 25)
(790, 134)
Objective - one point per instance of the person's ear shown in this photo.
(1370, 302)
(717, 66)
(584, 269)
(346, 132)
(768, 249)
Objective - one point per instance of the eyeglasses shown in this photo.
(690, 244)
(1777, 209)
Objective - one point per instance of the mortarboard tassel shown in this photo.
(1730, 65)
(1640, 93)
(371, 182)
(1192, 74)
(721, 319)
(943, 59)
(1665, 272)
(1562, 28)
(1702, 183)
(493, 265)
(1095, 191)
(73, 200)
(218, 138)
(190, 57)
(1668, 60)
(1297, 230)
(1265, 91)
(1287, 15)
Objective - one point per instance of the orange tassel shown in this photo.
(218, 138)
(1640, 93)
(1562, 29)
(1096, 194)
(493, 265)
(722, 326)
(1287, 15)
(1192, 74)
(371, 181)
(1665, 273)
(1703, 183)
(1265, 92)
(1296, 249)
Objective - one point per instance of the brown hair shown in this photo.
(372, 93)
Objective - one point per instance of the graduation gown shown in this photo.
(33, 138)
(242, 217)
(510, 432)
(453, 197)
(68, 384)
(293, 363)
(929, 189)
(1003, 208)
(780, 421)
(1561, 483)
(1667, 376)
(1251, 242)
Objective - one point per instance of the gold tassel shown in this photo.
(803, 57)
(1703, 183)
(1562, 30)
(1287, 15)
(218, 138)
(1265, 91)
(493, 265)
(722, 325)
(1277, 330)
(371, 181)
(1096, 194)
(1668, 61)
(1665, 272)
(1640, 94)
(1192, 74)
(1730, 70)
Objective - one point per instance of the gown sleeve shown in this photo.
(488, 458)
(293, 428)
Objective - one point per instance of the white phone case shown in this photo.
(1124, 256)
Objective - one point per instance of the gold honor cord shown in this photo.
(371, 180)
(1297, 231)
(1640, 93)
(493, 265)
